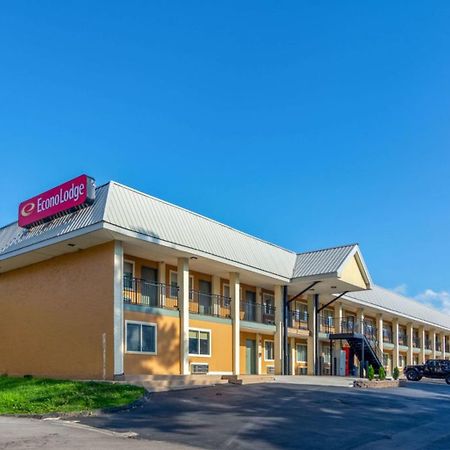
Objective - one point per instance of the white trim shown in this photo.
(197, 355)
(219, 372)
(273, 349)
(148, 324)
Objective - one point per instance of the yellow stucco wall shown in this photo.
(352, 274)
(53, 316)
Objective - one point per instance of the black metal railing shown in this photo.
(137, 291)
(438, 346)
(209, 304)
(428, 344)
(402, 339)
(416, 342)
(326, 323)
(298, 319)
(257, 312)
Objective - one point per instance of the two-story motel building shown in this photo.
(132, 285)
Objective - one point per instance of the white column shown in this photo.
(395, 354)
(258, 305)
(259, 349)
(422, 344)
(338, 317)
(312, 350)
(235, 317)
(410, 334)
(360, 320)
(380, 332)
(162, 281)
(443, 343)
(118, 310)
(433, 343)
(292, 368)
(183, 305)
(278, 338)
(216, 293)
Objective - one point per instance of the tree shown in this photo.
(370, 372)
(381, 373)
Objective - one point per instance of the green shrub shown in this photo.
(381, 373)
(370, 372)
(395, 374)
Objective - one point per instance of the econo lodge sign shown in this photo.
(63, 199)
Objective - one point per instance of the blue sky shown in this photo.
(309, 124)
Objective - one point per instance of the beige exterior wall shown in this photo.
(54, 316)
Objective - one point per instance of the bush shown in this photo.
(381, 373)
(370, 372)
(395, 374)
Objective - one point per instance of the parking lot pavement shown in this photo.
(274, 416)
(20, 433)
(262, 416)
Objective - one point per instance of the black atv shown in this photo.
(433, 368)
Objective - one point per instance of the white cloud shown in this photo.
(401, 289)
(439, 300)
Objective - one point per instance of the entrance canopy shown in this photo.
(330, 271)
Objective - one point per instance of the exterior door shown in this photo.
(204, 297)
(250, 356)
(149, 287)
(250, 306)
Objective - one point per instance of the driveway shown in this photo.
(275, 416)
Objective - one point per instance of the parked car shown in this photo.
(433, 368)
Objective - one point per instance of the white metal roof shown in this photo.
(321, 262)
(380, 297)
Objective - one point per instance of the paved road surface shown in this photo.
(265, 416)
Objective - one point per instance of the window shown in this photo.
(173, 280)
(268, 350)
(302, 353)
(128, 274)
(401, 360)
(326, 353)
(141, 337)
(199, 342)
(226, 290)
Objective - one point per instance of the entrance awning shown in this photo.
(333, 270)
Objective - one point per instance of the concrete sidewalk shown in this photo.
(316, 380)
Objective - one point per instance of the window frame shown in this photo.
(141, 323)
(199, 330)
(273, 350)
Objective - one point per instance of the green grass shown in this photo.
(30, 395)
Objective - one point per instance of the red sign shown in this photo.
(63, 199)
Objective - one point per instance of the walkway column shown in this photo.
(443, 343)
(235, 294)
(410, 336)
(215, 288)
(312, 343)
(292, 368)
(162, 281)
(380, 333)
(118, 314)
(433, 343)
(338, 317)
(395, 354)
(258, 312)
(183, 306)
(360, 321)
(278, 338)
(260, 350)
(422, 344)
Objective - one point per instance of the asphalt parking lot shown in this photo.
(262, 416)
(274, 416)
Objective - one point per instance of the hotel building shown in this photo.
(132, 285)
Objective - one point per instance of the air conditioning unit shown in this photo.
(270, 370)
(199, 368)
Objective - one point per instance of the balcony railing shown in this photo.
(298, 319)
(402, 339)
(326, 323)
(438, 346)
(416, 342)
(209, 304)
(147, 293)
(428, 344)
(257, 312)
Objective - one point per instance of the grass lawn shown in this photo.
(39, 395)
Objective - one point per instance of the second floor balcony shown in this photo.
(258, 312)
